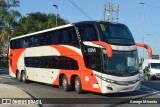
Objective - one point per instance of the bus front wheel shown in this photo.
(78, 85)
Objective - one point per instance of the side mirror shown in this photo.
(147, 47)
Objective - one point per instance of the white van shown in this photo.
(151, 69)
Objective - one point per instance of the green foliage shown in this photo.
(35, 22)
(8, 16)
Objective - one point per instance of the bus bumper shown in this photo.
(115, 88)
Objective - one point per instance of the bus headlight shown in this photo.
(108, 80)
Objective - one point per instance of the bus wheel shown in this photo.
(24, 77)
(65, 85)
(19, 77)
(78, 85)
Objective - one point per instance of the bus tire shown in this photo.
(24, 77)
(78, 85)
(19, 77)
(65, 84)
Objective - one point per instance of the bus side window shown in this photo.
(21, 43)
(37, 61)
(65, 36)
(41, 40)
(17, 43)
(54, 62)
(25, 43)
(28, 62)
(43, 62)
(37, 40)
(31, 41)
(71, 64)
(12, 44)
(95, 62)
(89, 33)
(48, 39)
(73, 37)
(47, 62)
(54, 37)
(62, 62)
(92, 62)
(34, 41)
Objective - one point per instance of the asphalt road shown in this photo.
(149, 89)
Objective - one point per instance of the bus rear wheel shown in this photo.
(19, 77)
(78, 85)
(24, 77)
(65, 84)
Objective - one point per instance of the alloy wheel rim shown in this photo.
(76, 85)
(64, 83)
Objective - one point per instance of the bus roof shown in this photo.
(64, 26)
(82, 22)
(42, 31)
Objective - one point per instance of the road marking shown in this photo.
(148, 88)
(144, 91)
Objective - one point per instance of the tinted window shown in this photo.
(73, 36)
(68, 36)
(54, 37)
(25, 43)
(48, 39)
(87, 32)
(12, 44)
(41, 39)
(93, 62)
(117, 34)
(52, 62)
(65, 36)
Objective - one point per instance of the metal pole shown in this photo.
(143, 18)
(57, 17)
(56, 14)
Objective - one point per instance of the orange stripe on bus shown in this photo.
(14, 55)
(82, 72)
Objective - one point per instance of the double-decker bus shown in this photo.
(93, 56)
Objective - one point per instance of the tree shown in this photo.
(8, 20)
(35, 22)
(8, 17)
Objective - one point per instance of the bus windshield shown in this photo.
(155, 65)
(121, 64)
(116, 34)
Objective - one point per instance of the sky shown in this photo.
(131, 13)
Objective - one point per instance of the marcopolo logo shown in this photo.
(92, 50)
